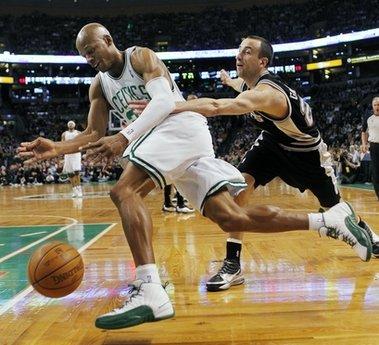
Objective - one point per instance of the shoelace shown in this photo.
(229, 267)
(337, 234)
(133, 292)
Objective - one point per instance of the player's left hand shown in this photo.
(138, 106)
(105, 148)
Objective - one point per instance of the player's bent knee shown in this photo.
(119, 194)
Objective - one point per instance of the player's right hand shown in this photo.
(225, 78)
(37, 150)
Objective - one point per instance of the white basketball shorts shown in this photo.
(72, 162)
(180, 151)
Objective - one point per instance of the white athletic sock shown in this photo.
(148, 273)
(234, 240)
(316, 221)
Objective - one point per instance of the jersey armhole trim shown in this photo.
(277, 87)
(104, 93)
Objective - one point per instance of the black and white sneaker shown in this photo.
(168, 208)
(373, 237)
(228, 275)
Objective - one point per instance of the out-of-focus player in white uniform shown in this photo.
(73, 162)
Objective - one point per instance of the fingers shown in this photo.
(21, 149)
(30, 145)
(138, 106)
(31, 161)
(25, 154)
(139, 101)
(96, 155)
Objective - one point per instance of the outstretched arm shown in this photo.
(262, 98)
(42, 148)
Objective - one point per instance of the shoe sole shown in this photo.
(140, 315)
(349, 222)
(214, 287)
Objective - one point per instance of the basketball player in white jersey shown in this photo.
(163, 148)
(73, 162)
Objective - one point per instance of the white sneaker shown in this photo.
(168, 208)
(79, 192)
(147, 302)
(184, 209)
(74, 193)
(228, 275)
(341, 223)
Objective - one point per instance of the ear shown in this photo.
(264, 62)
(108, 40)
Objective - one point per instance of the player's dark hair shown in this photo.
(266, 48)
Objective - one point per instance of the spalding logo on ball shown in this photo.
(55, 269)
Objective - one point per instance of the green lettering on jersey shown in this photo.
(123, 96)
(144, 92)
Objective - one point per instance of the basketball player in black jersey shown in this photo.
(289, 146)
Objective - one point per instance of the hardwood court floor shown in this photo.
(300, 289)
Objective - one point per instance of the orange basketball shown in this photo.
(55, 269)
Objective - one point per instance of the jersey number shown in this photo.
(306, 110)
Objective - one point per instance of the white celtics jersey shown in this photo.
(68, 135)
(127, 87)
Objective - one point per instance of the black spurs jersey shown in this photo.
(297, 131)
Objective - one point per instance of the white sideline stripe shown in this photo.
(16, 299)
(89, 243)
(45, 225)
(29, 289)
(33, 233)
(315, 210)
(2, 244)
(10, 255)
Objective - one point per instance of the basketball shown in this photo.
(55, 269)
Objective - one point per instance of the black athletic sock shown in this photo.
(167, 194)
(233, 249)
(180, 200)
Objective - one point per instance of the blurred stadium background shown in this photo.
(44, 83)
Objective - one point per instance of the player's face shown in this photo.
(97, 52)
(375, 105)
(71, 126)
(248, 63)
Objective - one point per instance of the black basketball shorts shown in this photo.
(303, 170)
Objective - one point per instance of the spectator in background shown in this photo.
(370, 139)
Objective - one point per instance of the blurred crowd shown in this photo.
(337, 109)
(213, 28)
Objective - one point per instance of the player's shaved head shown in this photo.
(90, 32)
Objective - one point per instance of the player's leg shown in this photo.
(181, 206)
(167, 203)
(230, 273)
(324, 187)
(148, 300)
(259, 166)
(71, 177)
(76, 183)
(338, 222)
